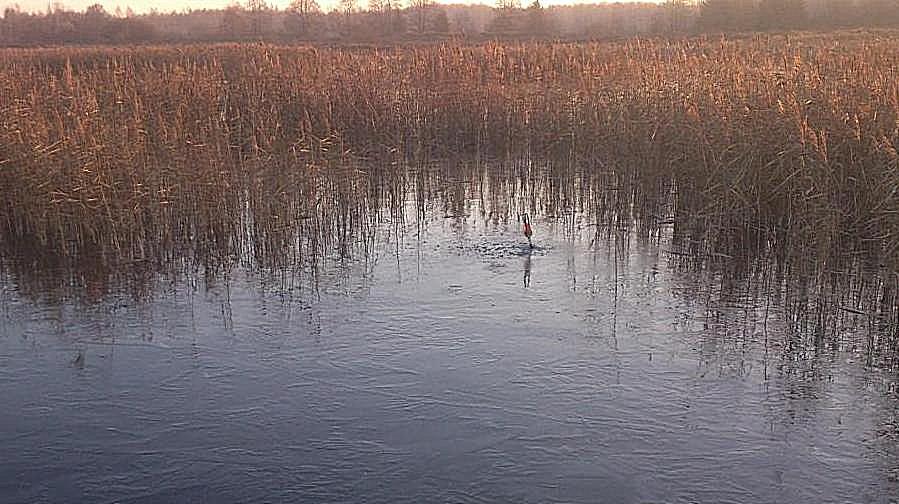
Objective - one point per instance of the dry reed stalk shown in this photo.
(773, 142)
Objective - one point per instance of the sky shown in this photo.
(169, 5)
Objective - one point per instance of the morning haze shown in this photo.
(142, 6)
(409, 252)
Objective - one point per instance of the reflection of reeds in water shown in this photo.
(772, 156)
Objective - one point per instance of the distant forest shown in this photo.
(423, 20)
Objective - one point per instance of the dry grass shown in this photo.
(774, 144)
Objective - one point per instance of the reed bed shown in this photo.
(781, 148)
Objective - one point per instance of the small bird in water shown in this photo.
(527, 228)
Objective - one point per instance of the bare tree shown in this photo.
(781, 14)
(509, 19)
(304, 7)
(349, 6)
(463, 23)
(298, 18)
(839, 13)
(440, 21)
(727, 15)
(96, 22)
(676, 16)
(256, 5)
(260, 17)
(536, 19)
(235, 24)
(420, 9)
(879, 12)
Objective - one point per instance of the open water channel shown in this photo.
(451, 363)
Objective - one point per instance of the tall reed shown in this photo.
(775, 143)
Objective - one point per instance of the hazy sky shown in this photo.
(168, 5)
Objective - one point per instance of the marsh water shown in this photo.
(447, 361)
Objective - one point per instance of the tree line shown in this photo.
(398, 20)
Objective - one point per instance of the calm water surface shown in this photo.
(450, 365)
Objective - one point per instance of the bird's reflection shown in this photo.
(527, 269)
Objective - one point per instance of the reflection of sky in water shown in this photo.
(450, 365)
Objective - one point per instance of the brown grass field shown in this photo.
(779, 145)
